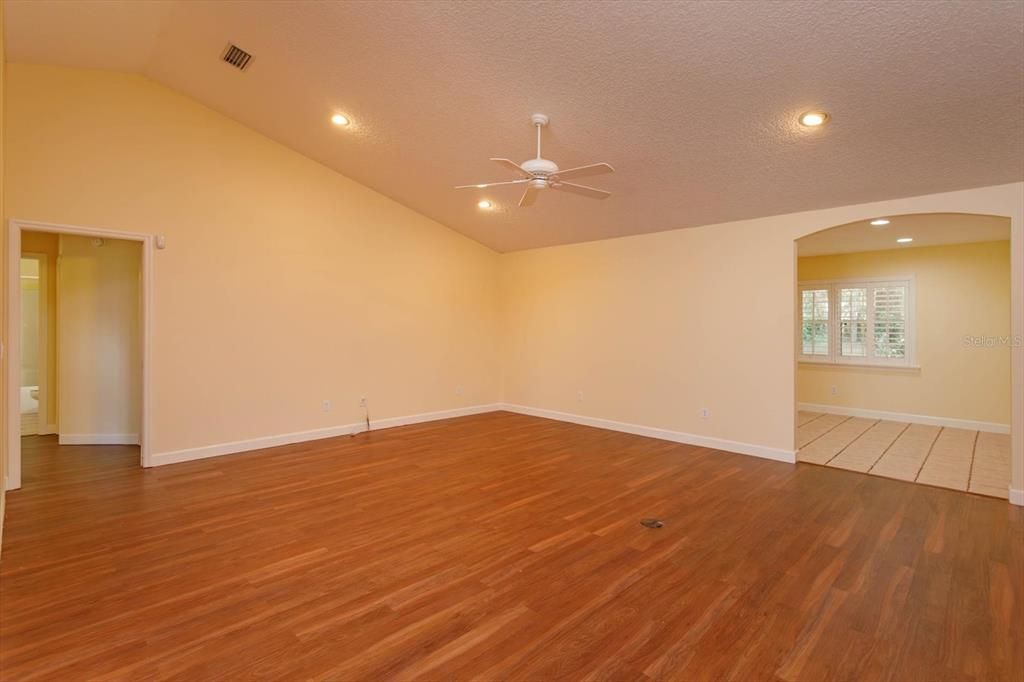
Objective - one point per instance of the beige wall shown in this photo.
(3, 277)
(961, 290)
(283, 283)
(44, 243)
(100, 340)
(652, 328)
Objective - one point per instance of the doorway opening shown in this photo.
(903, 347)
(34, 273)
(80, 370)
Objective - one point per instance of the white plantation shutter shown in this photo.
(857, 322)
(814, 328)
(890, 321)
(853, 322)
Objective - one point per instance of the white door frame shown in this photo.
(42, 338)
(14, 340)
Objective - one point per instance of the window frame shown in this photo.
(813, 286)
(834, 356)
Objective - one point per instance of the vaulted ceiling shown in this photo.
(695, 104)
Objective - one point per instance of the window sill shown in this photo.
(860, 365)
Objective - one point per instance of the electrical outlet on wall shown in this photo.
(579, 396)
(326, 405)
(362, 401)
(835, 390)
(458, 390)
(705, 413)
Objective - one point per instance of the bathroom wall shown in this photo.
(46, 243)
(30, 322)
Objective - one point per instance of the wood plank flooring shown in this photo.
(500, 547)
(960, 459)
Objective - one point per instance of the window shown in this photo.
(863, 322)
(815, 322)
(853, 322)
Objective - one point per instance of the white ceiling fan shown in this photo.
(540, 173)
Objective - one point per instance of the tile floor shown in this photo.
(973, 461)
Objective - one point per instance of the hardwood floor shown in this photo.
(500, 547)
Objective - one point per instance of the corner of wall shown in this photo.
(3, 275)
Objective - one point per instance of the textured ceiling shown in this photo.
(693, 103)
(931, 229)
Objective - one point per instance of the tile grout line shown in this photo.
(930, 448)
(974, 453)
(887, 448)
(820, 435)
(811, 421)
(859, 436)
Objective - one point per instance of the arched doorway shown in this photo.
(903, 346)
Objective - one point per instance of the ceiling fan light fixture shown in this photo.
(539, 173)
(340, 120)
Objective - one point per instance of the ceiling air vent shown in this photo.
(237, 57)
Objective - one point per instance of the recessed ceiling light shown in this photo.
(905, 240)
(339, 120)
(812, 119)
(879, 222)
(481, 186)
(484, 204)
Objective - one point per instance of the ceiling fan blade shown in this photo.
(591, 192)
(583, 171)
(529, 196)
(508, 163)
(492, 184)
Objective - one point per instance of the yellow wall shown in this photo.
(961, 290)
(283, 283)
(41, 242)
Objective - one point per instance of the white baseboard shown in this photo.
(98, 439)
(216, 450)
(778, 454)
(968, 424)
(1017, 497)
(48, 430)
(391, 422)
